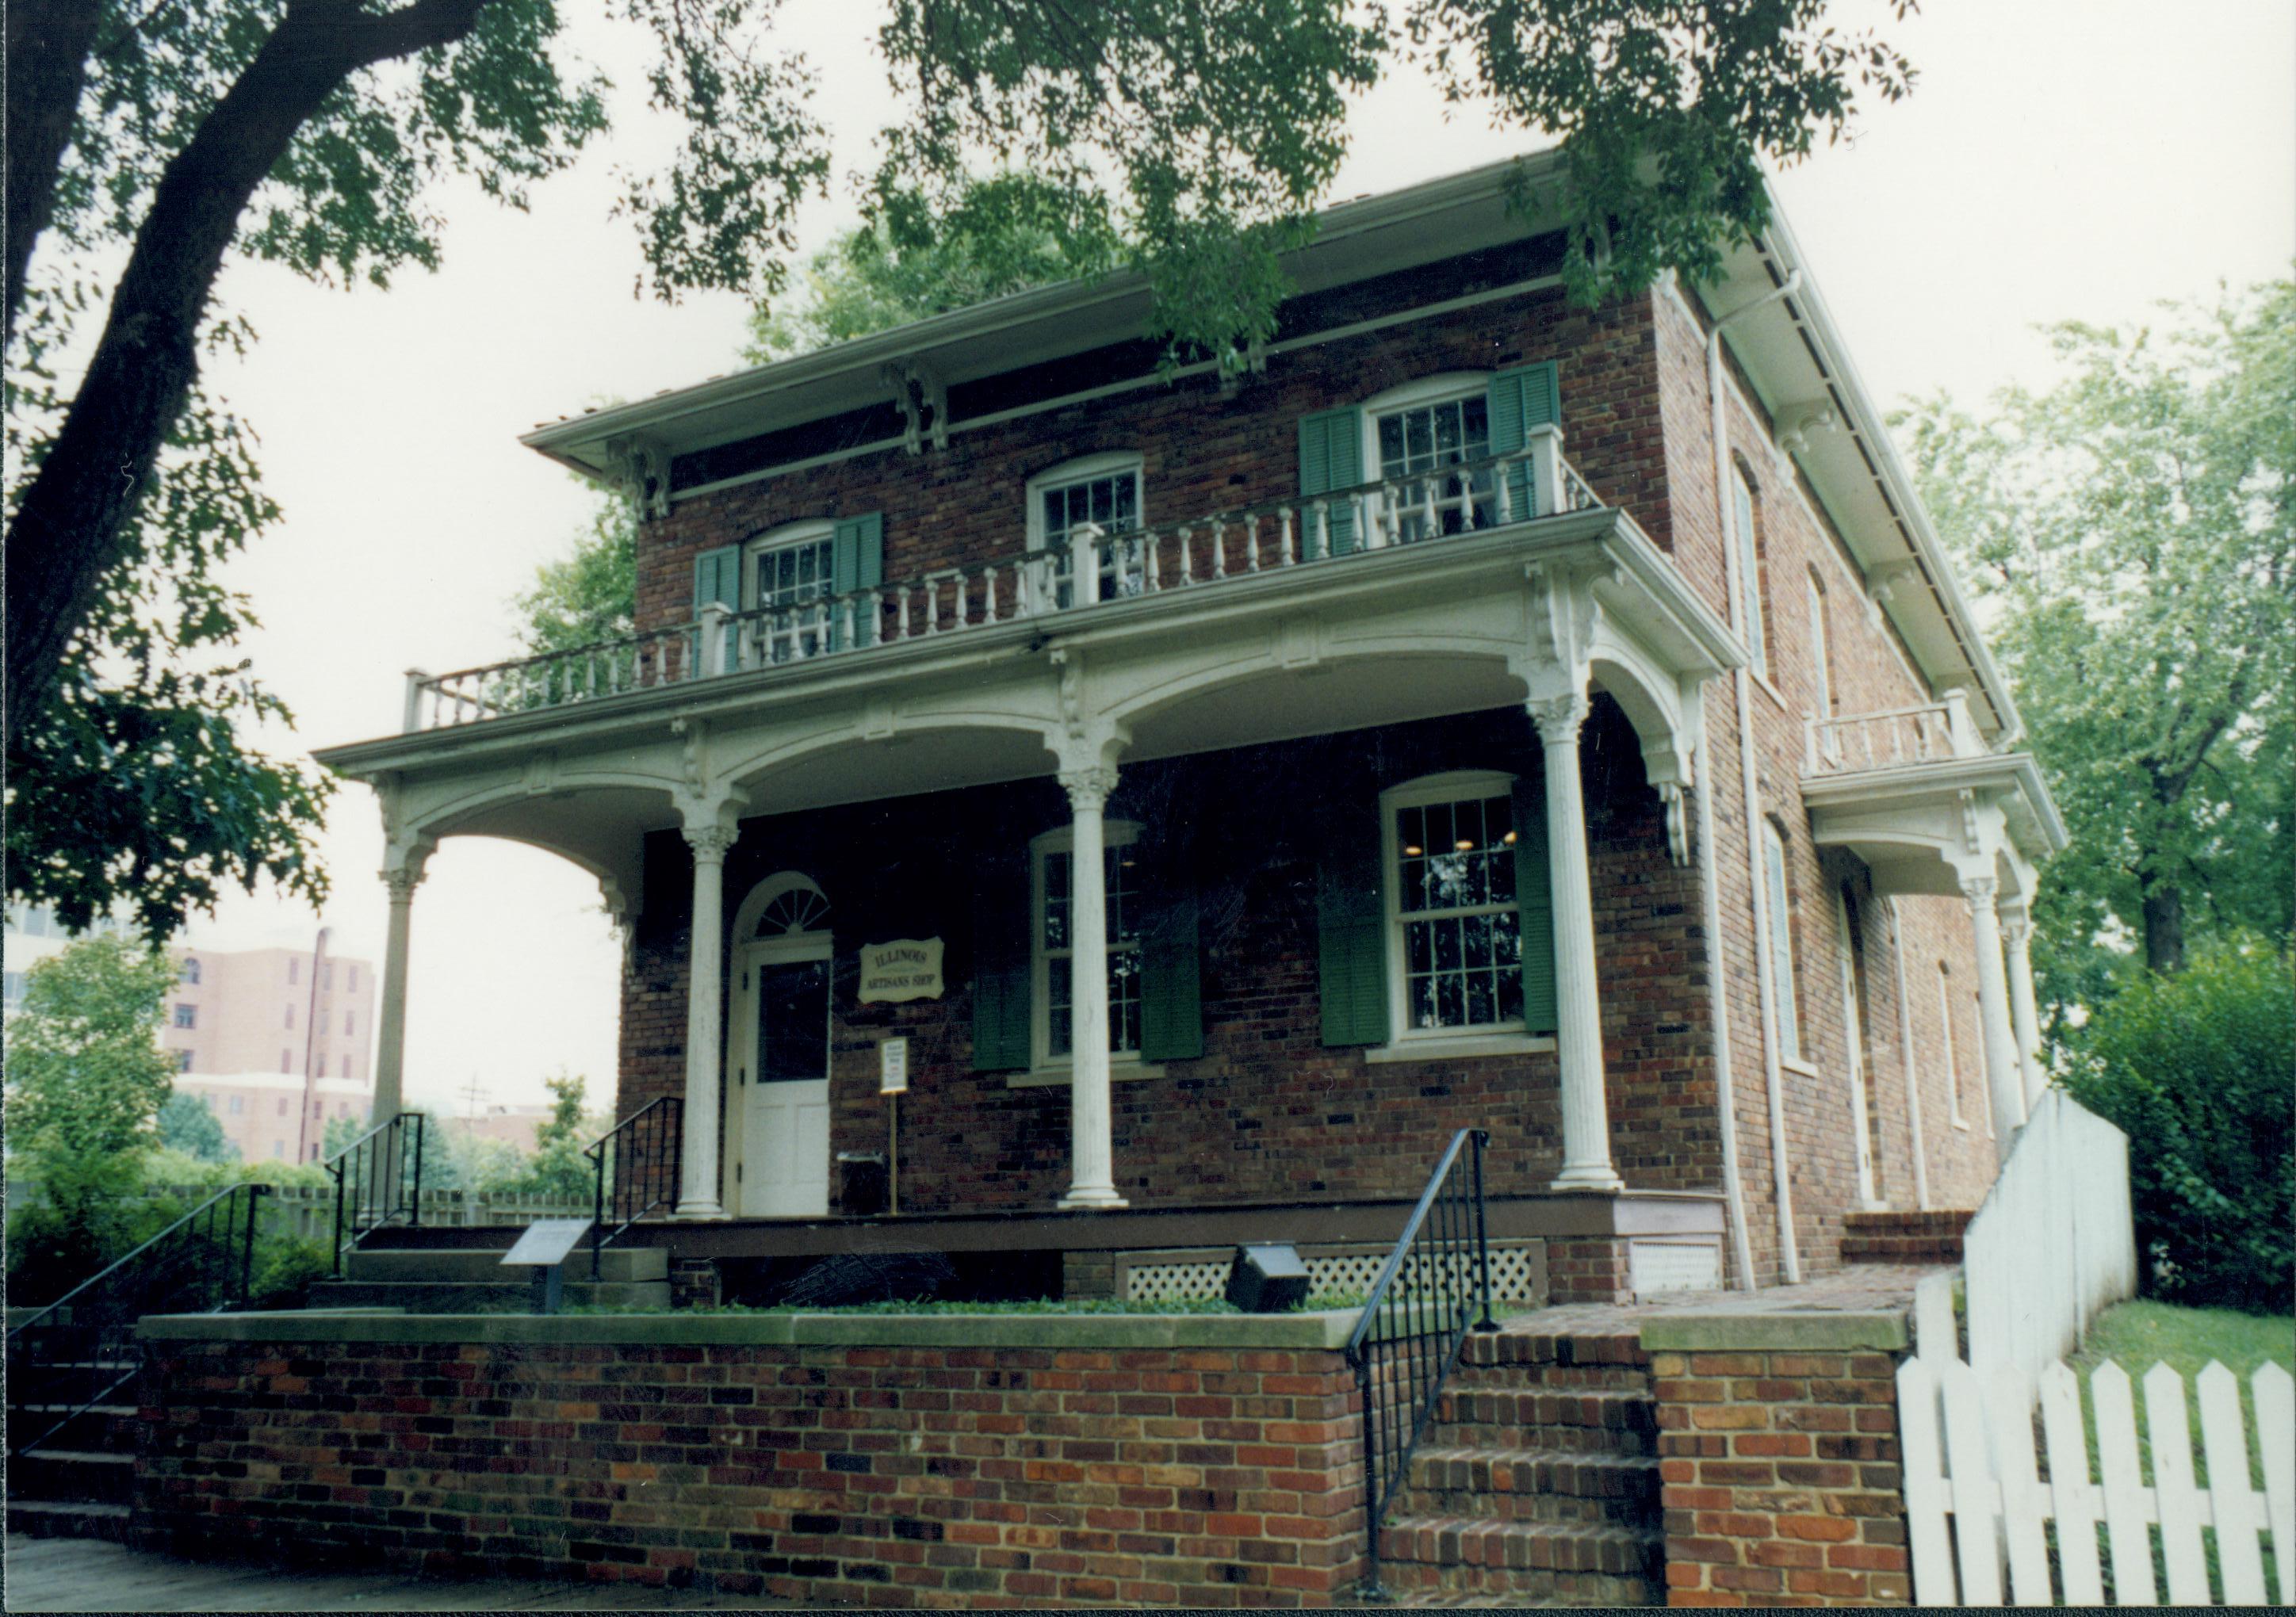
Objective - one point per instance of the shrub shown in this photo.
(2198, 1070)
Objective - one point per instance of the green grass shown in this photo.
(2137, 1336)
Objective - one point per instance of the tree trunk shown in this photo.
(48, 43)
(2164, 930)
(68, 531)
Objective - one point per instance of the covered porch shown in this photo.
(934, 771)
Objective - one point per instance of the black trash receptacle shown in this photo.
(864, 1188)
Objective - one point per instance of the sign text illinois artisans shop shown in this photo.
(903, 968)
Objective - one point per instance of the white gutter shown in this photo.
(1742, 682)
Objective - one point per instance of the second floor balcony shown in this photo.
(1102, 572)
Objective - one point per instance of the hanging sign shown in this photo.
(906, 969)
(893, 1068)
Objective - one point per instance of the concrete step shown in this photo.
(484, 1265)
(447, 1297)
(39, 1519)
(72, 1476)
(1559, 1486)
(1581, 1421)
(101, 1428)
(1546, 1563)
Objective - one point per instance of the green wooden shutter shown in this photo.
(857, 561)
(1171, 965)
(1331, 457)
(1351, 921)
(1534, 896)
(1003, 1036)
(718, 578)
(1521, 400)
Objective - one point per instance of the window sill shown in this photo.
(1061, 1077)
(1808, 1069)
(1961, 1124)
(1442, 1049)
(1762, 681)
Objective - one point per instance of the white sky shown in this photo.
(2061, 158)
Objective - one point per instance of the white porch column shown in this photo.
(705, 1022)
(402, 876)
(2024, 1013)
(2000, 1083)
(1091, 1113)
(1579, 1029)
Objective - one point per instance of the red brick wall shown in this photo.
(1780, 1478)
(907, 1476)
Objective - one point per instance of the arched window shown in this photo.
(781, 906)
(192, 970)
(1750, 568)
(1103, 490)
(1420, 428)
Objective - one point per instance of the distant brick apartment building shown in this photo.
(246, 1028)
(1466, 710)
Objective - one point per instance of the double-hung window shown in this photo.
(1415, 433)
(787, 585)
(1454, 909)
(1781, 944)
(1055, 942)
(1102, 493)
(1750, 570)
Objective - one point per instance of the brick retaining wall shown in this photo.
(1207, 1462)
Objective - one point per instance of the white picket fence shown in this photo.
(2055, 1242)
(1979, 1502)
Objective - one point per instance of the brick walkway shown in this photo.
(90, 1575)
(1862, 1287)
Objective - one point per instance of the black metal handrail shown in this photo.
(637, 1162)
(378, 1180)
(82, 1348)
(1425, 1300)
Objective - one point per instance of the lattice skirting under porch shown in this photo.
(1518, 1270)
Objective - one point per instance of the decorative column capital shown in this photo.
(711, 843)
(1089, 788)
(1559, 718)
(405, 875)
(2016, 925)
(1982, 892)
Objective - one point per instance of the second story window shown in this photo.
(1102, 491)
(187, 1016)
(789, 578)
(1750, 570)
(1421, 428)
(192, 973)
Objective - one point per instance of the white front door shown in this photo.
(778, 1060)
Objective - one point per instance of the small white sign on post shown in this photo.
(904, 968)
(893, 1068)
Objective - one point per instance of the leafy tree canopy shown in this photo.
(169, 140)
(590, 595)
(87, 1076)
(2133, 531)
(188, 1123)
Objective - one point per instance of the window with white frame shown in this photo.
(1820, 653)
(1781, 944)
(1054, 938)
(1412, 432)
(191, 971)
(1984, 1062)
(1453, 915)
(787, 576)
(1101, 492)
(1749, 569)
(1952, 1065)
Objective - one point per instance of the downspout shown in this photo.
(1741, 681)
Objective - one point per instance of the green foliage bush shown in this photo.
(2198, 1070)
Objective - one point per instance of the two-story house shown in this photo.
(1483, 711)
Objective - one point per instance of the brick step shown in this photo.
(39, 1519)
(1572, 1563)
(1553, 1377)
(1526, 1343)
(1932, 1237)
(1531, 1485)
(1581, 1421)
(450, 1297)
(483, 1266)
(72, 1476)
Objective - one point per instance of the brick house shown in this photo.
(1475, 710)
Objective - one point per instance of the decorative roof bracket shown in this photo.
(918, 393)
(642, 467)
